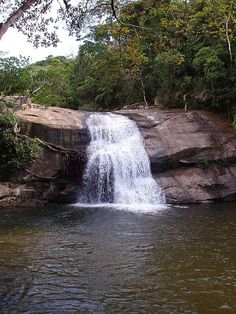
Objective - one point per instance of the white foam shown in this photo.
(118, 167)
(135, 208)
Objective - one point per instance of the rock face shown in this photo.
(58, 126)
(192, 154)
(12, 195)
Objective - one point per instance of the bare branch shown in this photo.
(41, 178)
(37, 89)
(114, 12)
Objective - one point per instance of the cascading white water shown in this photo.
(118, 168)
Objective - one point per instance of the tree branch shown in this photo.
(37, 89)
(15, 16)
(61, 150)
(41, 178)
(114, 13)
(67, 5)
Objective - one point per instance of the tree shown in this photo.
(35, 18)
(208, 61)
(14, 77)
(17, 150)
(215, 22)
(50, 81)
(146, 49)
(109, 68)
(167, 64)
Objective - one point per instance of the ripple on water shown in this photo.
(103, 260)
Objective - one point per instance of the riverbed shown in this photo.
(114, 260)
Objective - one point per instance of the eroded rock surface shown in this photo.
(20, 195)
(60, 126)
(192, 154)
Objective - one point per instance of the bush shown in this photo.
(17, 151)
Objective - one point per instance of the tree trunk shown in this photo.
(213, 92)
(143, 90)
(15, 16)
(227, 37)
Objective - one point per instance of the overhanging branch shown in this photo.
(15, 16)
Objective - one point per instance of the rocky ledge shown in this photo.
(19, 195)
(192, 154)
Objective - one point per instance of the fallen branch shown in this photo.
(70, 158)
(40, 177)
(60, 149)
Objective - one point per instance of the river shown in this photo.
(108, 260)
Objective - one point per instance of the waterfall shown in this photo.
(118, 167)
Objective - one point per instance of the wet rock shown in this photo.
(192, 154)
(19, 195)
(64, 193)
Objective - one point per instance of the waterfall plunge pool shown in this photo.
(103, 260)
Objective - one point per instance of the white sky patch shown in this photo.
(15, 44)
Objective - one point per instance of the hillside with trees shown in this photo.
(169, 53)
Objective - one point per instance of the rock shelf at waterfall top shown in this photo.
(192, 154)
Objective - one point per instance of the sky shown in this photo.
(15, 44)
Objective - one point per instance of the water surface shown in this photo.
(105, 260)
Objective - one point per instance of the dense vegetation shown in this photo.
(17, 150)
(170, 52)
(163, 50)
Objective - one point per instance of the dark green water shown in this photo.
(100, 260)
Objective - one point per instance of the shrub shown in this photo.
(17, 151)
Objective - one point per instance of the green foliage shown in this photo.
(209, 61)
(17, 151)
(106, 76)
(168, 50)
(218, 145)
(8, 120)
(52, 81)
(203, 163)
(13, 75)
(167, 65)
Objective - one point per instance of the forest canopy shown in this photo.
(163, 52)
(40, 20)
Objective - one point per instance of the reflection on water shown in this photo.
(102, 260)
